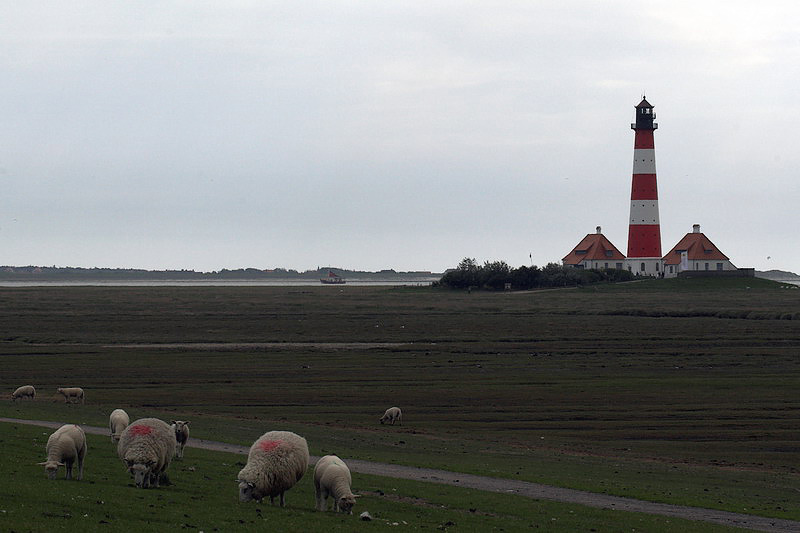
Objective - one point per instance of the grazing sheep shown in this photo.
(332, 478)
(277, 460)
(26, 391)
(64, 447)
(146, 447)
(181, 429)
(117, 422)
(71, 392)
(392, 414)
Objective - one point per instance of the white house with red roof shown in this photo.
(594, 251)
(695, 252)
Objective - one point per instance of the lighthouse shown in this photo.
(644, 231)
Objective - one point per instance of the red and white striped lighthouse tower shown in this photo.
(644, 231)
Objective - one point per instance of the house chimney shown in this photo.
(599, 230)
(696, 228)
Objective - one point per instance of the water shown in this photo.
(424, 282)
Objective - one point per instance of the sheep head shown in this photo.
(248, 491)
(51, 468)
(346, 504)
(141, 472)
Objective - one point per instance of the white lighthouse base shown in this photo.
(645, 266)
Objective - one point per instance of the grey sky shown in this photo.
(372, 135)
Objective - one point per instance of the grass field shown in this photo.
(204, 497)
(678, 391)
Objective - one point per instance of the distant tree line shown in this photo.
(494, 275)
(54, 273)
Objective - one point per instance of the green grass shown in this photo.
(203, 496)
(680, 391)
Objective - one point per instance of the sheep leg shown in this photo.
(80, 467)
(283, 500)
(322, 500)
(68, 468)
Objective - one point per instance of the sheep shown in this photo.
(332, 478)
(72, 392)
(146, 447)
(277, 460)
(117, 422)
(26, 391)
(65, 446)
(181, 429)
(392, 414)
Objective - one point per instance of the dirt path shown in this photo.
(238, 346)
(509, 486)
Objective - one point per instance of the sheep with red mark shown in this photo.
(147, 447)
(72, 392)
(392, 415)
(65, 447)
(181, 429)
(276, 462)
(332, 479)
(26, 391)
(117, 422)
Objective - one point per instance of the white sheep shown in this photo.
(65, 446)
(391, 415)
(277, 460)
(117, 422)
(71, 392)
(146, 447)
(332, 478)
(26, 391)
(181, 429)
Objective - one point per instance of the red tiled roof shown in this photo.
(593, 247)
(697, 246)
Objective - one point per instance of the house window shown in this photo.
(606, 265)
(642, 268)
(697, 266)
(656, 267)
(609, 253)
(670, 269)
(619, 266)
(706, 266)
(719, 266)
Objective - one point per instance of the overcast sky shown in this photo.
(405, 135)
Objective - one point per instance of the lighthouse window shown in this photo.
(642, 268)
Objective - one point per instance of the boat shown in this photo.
(333, 279)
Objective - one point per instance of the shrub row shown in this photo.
(495, 275)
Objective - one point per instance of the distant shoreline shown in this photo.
(415, 282)
(247, 276)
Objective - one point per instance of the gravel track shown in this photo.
(508, 486)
